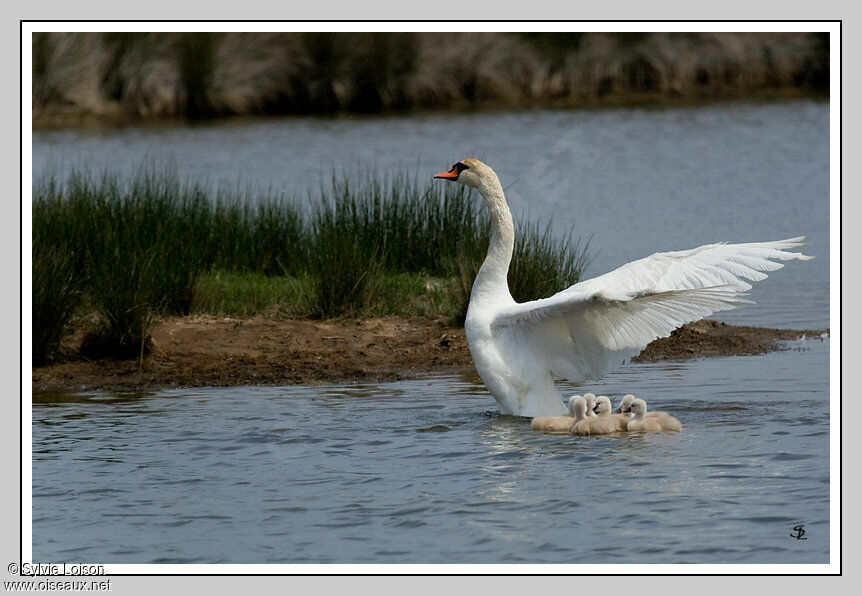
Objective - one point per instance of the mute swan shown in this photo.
(592, 327)
(640, 421)
(603, 410)
(598, 425)
(556, 424)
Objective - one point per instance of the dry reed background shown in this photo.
(203, 75)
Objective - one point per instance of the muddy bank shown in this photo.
(711, 338)
(208, 351)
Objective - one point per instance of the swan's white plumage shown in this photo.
(611, 325)
(595, 325)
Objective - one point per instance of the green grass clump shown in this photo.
(402, 223)
(412, 294)
(150, 245)
(542, 265)
(56, 294)
(136, 246)
(345, 263)
(245, 295)
(256, 232)
(365, 228)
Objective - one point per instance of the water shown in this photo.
(636, 181)
(426, 471)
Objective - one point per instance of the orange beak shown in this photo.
(449, 174)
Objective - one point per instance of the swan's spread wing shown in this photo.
(711, 265)
(594, 326)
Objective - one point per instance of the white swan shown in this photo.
(597, 425)
(590, 328)
(640, 420)
(556, 424)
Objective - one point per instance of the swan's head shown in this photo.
(638, 406)
(626, 402)
(471, 172)
(572, 401)
(603, 405)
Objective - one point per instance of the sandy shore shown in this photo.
(208, 351)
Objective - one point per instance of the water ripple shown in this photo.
(433, 478)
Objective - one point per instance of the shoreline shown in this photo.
(64, 117)
(224, 352)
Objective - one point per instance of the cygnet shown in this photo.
(640, 421)
(591, 426)
(603, 410)
(627, 401)
(556, 424)
(591, 403)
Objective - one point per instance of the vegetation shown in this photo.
(244, 295)
(124, 252)
(56, 294)
(201, 75)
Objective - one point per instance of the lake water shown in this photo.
(635, 181)
(427, 471)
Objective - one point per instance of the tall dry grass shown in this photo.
(195, 75)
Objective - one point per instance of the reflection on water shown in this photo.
(635, 181)
(425, 471)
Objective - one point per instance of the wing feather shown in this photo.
(595, 325)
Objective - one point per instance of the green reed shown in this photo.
(542, 264)
(56, 294)
(135, 248)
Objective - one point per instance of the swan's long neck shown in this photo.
(491, 280)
